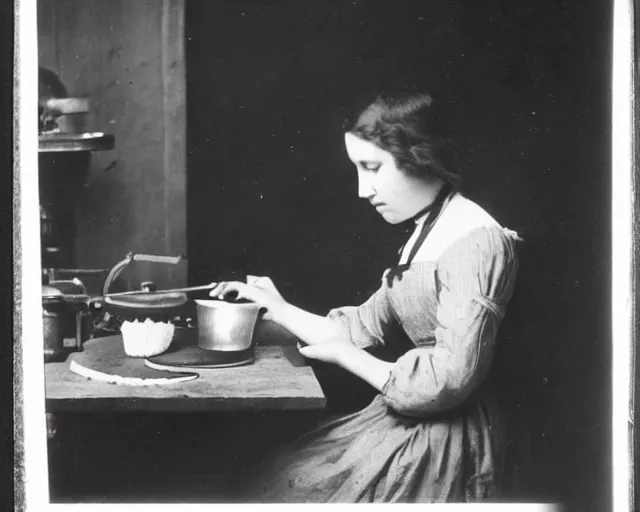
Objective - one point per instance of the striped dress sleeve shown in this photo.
(475, 280)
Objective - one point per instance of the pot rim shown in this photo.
(151, 301)
(216, 303)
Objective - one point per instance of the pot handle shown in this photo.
(119, 267)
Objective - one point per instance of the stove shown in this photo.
(64, 163)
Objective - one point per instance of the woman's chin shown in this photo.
(391, 217)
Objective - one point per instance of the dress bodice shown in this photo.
(449, 308)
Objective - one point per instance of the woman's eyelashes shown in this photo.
(369, 166)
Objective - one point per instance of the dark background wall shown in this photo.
(127, 58)
(270, 190)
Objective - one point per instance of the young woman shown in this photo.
(433, 433)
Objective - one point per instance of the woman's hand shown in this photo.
(342, 352)
(260, 290)
(331, 351)
(306, 326)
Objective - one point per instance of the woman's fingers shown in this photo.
(252, 291)
(304, 350)
(260, 282)
(332, 350)
(264, 283)
(217, 290)
(225, 288)
(318, 352)
(252, 279)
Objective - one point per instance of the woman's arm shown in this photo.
(308, 327)
(353, 359)
(476, 279)
(328, 339)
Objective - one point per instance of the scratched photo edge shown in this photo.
(28, 360)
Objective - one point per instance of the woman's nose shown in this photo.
(365, 187)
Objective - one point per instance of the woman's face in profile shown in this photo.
(395, 195)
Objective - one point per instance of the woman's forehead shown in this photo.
(363, 150)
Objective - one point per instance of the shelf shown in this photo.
(67, 142)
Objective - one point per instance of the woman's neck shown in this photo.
(431, 194)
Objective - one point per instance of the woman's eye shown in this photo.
(370, 166)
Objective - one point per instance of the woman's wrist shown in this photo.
(280, 311)
(346, 356)
(362, 364)
(308, 327)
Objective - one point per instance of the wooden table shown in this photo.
(277, 380)
(182, 441)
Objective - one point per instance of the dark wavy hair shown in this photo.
(411, 127)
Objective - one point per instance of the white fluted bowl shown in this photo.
(146, 339)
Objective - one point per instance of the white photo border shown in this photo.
(32, 488)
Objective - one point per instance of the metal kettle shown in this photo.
(53, 307)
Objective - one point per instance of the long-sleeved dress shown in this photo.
(435, 432)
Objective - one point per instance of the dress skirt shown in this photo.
(435, 432)
(379, 456)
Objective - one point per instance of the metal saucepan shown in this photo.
(226, 326)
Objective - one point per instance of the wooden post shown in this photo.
(174, 94)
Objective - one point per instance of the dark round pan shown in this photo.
(155, 306)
